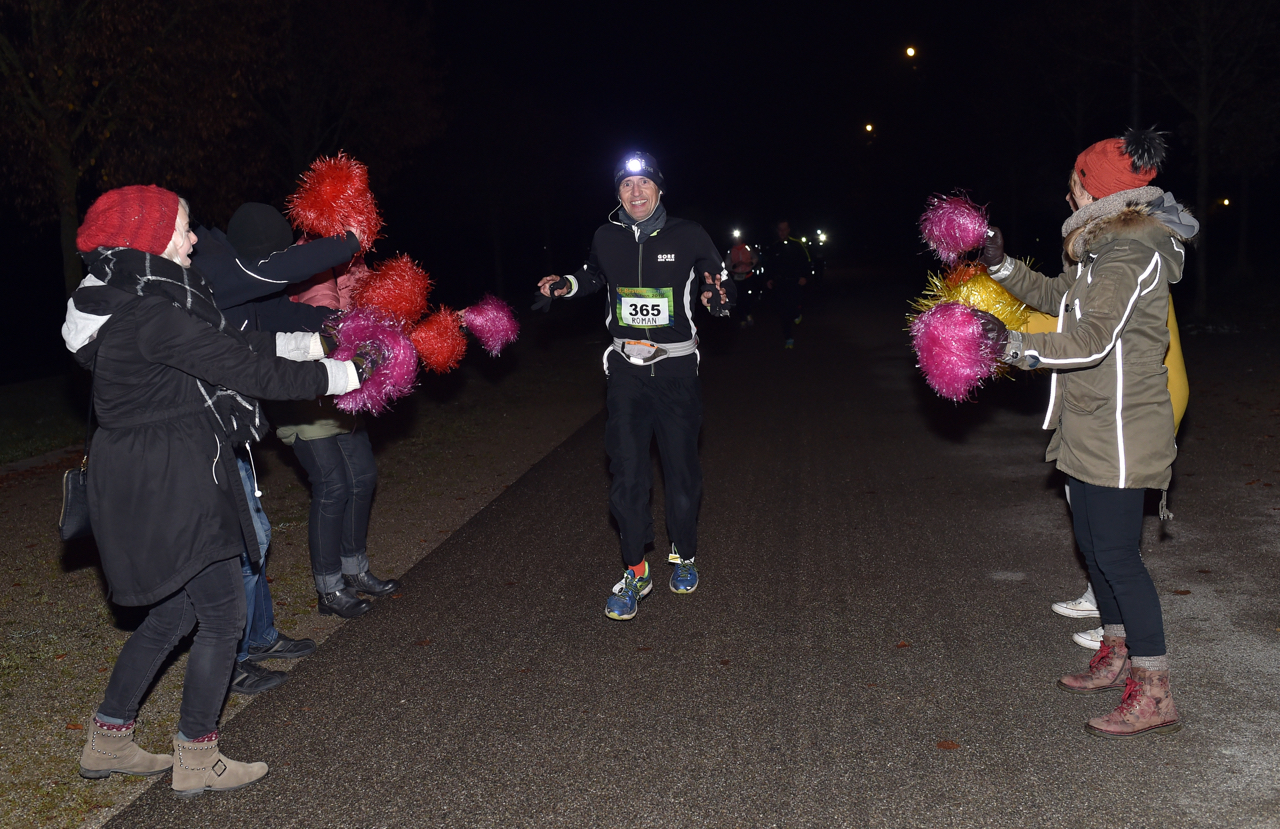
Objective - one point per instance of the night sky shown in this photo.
(756, 111)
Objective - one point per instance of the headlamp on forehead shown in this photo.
(638, 164)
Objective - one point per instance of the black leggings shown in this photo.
(1108, 525)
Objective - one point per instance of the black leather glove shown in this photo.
(366, 360)
(993, 329)
(542, 302)
(993, 249)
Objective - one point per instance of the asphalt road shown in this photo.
(871, 643)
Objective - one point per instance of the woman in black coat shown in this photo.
(174, 388)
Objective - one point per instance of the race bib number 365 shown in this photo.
(645, 307)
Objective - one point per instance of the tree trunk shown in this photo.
(65, 184)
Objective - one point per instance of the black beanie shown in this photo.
(638, 164)
(258, 230)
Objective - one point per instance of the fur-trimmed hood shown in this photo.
(1146, 214)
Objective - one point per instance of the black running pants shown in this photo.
(641, 408)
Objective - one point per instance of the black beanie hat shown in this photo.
(638, 164)
(258, 230)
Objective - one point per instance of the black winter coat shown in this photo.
(165, 497)
(239, 287)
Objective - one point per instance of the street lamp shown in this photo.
(737, 234)
(868, 128)
(911, 51)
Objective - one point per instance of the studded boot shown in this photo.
(110, 750)
(198, 767)
(1108, 670)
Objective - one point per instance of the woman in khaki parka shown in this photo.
(1110, 412)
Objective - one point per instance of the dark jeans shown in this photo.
(343, 476)
(215, 598)
(260, 617)
(1108, 525)
(640, 409)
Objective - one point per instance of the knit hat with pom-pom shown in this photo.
(1118, 164)
(141, 216)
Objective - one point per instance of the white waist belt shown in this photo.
(644, 352)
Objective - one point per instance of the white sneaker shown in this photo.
(1091, 639)
(1081, 608)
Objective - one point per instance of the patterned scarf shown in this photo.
(143, 274)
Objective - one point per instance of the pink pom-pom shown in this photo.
(953, 352)
(333, 196)
(373, 332)
(440, 341)
(398, 287)
(952, 225)
(493, 323)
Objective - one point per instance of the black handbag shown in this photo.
(74, 520)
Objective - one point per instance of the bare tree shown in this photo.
(361, 80)
(1210, 58)
(100, 93)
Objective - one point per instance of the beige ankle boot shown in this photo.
(111, 750)
(1108, 670)
(200, 767)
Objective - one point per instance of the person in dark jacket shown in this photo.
(248, 268)
(174, 388)
(786, 269)
(654, 268)
(1110, 409)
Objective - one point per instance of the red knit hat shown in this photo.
(1121, 163)
(141, 216)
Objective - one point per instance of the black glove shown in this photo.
(993, 329)
(366, 360)
(327, 342)
(993, 249)
(715, 305)
(543, 302)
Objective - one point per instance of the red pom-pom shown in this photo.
(334, 196)
(398, 287)
(439, 341)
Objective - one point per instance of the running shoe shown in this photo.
(789, 344)
(685, 577)
(1091, 639)
(625, 598)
